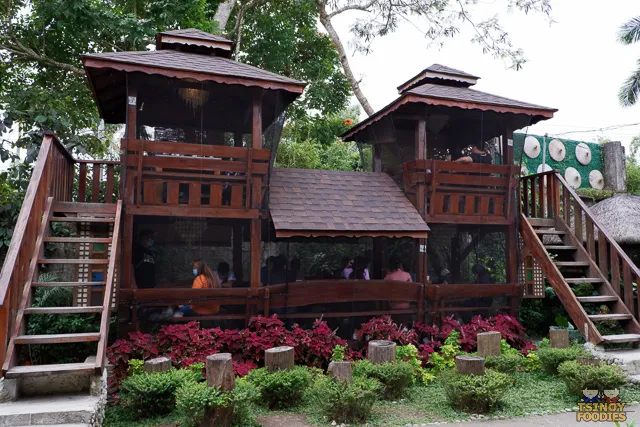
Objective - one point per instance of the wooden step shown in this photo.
(72, 261)
(77, 239)
(560, 248)
(572, 263)
(80, 219)
(85, 208)
(63, 310)
(541, 222)
(621, 338)
(47, 370)
(598, 298)
(57, 338)
(573, 280)
(605, 317)
(66, 284)
(558, 232)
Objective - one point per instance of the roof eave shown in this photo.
(415, 234)
(127, 66)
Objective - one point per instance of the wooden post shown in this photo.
(279, 358)
(160, 364)
(381, 351)
(421, 202)
(342, 371)
(220, 374)
(559, 338)
(469, 365)
(489, 344)
(219, 369)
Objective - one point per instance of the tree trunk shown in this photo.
(279, 358)
(160, 364)
(469, 365)
(223, 12)
(220, 371)
(489, 344)
(381, 351)
(559, 338)
(346, 67)
(342, 371)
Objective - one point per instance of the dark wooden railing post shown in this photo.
(628, 286)
(82, 183)
(108, 198)
(525, 195)
(95, 185)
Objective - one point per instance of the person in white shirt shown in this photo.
(225, 275)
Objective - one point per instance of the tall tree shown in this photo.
(630, 90)
(438, 19)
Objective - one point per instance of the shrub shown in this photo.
(580, 377)
(281, 389)
(384, 328)
(153, 394)
(337, 354)
(342, 402)
(445, 359)
(136, 366)
(506, 363)
(551, 358)
(475, 393)
(531, 362)
(193, 399)
(396, 377)
(409, 354)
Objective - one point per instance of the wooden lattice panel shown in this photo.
(81, 294)
(530, 274)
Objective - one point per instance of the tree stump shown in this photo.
(381, 351)
(343, 371)
(588, 361)
(489, 344)
(220, 371)
(159, 364)
(469, 365)
(559, 338)
(279, 358)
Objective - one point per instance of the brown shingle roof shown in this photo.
(307, 202)
(171, 63)
(437, 68)
(192, 33)
(465, 94)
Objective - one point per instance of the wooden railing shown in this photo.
(464, 192)
(101, 181)
(170, 174)
(52, 176)
(547, 195)
(398, 298)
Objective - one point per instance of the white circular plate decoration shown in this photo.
(583, 153)
(596, 180)
(546, 168)
(531, 147)
(557, 151)
(572, 176)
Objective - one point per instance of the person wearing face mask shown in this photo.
(205, 278)
(143, 261)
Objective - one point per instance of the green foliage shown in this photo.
(551, 358)
(308, 154)
(396, 377)
(281, 389)
(445, 358)
(150, 394)
(193, 398)
(632, 167)
(506, 363)
(594, 194)
(580, 377)
(531, 362)
(409, 354)
(136, 366)
(475, 393)
(507, 350)
(197, 367)
(342, 402)
(337, 354)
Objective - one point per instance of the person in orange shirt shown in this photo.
(205, 278)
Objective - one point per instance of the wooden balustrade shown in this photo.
(170, 175)
(52, 176)
(548, 195)
(102, 176)
(464, 192)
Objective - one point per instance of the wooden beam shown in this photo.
(256, 252)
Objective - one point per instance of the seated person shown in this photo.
(225, 275)
(144, 268)
(396, 271)
(477, 156)
(205, 278)
(360, 269)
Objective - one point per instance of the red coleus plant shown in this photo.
(384, 328)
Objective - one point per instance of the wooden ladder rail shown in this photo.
(556, 279)
(11, 355)
(108, 291)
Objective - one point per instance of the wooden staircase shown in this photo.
(573, 249)
(71, 213)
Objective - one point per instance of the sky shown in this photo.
(574, 64)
